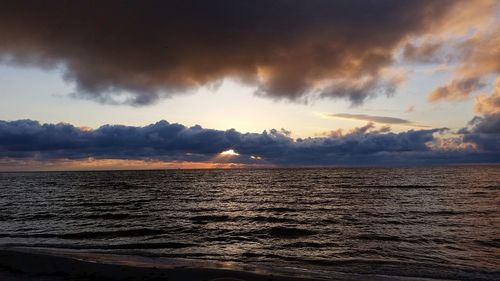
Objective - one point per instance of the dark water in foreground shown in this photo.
(426, 222)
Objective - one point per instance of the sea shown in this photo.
(426, 222)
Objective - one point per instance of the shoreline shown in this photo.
(35, 264)
(38, 264)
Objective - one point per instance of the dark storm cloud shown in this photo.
(30, 138)
(489, 124)
(163, 141)
(139, 51)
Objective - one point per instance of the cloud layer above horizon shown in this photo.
(137, 52)
(27, 140)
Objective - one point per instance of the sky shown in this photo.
(230, 84)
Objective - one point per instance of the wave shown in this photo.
(289, 232)
(209, 218)
(159, 245)
(270, 219)
(228, 238)
(91, 234)
(308, 245)
(116, 203)
(490, 243)
(378, 237)
(277, 209)
(111, 185)
(111, 216)
(128, 246)
(450, 212)
(391, 238)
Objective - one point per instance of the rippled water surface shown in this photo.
(427, 222)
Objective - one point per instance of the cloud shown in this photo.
(369, 127)
(484, 132)
(378, 119)
(489, 104)
(28, 141)
(480, 58)
(482, 55)
(489, 124)
(371, 118)
(426, 52)
(138, 52)
(386, 82)
(456, 90)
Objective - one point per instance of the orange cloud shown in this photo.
(464, 15)
(482, 54)
(489, 104)
(451, 144)
(481, 58)
(456, 90)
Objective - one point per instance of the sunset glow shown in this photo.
(255, 140)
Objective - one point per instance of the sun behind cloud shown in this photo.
(229, 152)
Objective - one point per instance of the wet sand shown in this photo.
(41, 264)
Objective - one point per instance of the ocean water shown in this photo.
(440, 222)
